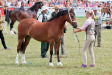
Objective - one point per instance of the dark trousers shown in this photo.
(2, 39)
(98, 33)
(44, 48)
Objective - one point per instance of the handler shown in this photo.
(98, 22)
(44, 45)
(88, 27)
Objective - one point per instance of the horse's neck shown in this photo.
(34, 10)
(59, 22)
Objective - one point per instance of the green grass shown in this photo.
(40, 66)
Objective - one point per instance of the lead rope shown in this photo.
(76, 38)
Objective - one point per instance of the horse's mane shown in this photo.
(35, 6)
(60, 13)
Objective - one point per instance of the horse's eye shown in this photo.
(72, 16)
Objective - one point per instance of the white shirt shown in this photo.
(41, 17)
(87, 23)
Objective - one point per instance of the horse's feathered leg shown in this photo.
(27, 40)
(57, 48)
(51, 53)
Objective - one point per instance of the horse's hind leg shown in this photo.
(18, 49)
(27, 40)
(57, 48)
(51, 53)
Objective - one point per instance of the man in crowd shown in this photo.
(44, 45)
(62, 41)
(98, 23)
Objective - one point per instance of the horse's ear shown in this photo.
(71, 9)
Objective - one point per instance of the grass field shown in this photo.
(39, 66)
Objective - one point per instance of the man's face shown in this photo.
(45, 11)
(56, 10)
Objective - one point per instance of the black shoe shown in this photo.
(8, 48)
(45, 57)
(98, 45)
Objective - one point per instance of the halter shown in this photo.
(70, 17)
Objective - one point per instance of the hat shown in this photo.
(56, 7)
(94, 8)
(44, 8)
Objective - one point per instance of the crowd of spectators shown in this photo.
(61, 3)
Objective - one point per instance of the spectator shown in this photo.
(1, 4)
(1, 34)
(19, 3)
(22, 6)
(45, 3)
(62, 40)
(29, 4)
(74, 4)
(50, 4)
(83, 4)
(98, 23)
(9, 3)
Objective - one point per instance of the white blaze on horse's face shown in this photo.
(72, 19)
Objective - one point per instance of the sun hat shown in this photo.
(56, 7)
(44, 8)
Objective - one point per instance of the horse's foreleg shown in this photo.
(103, 14)
(14, 30)
(57, 48)
(11, 27)
(18, 49)
(27, 40)
(51, 53)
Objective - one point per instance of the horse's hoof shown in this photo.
(59, 64)
(51, 64)
(11, 32)
(23, 62)
(17, 63)
(6, 32)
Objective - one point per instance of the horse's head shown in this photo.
(39, 4)
(71, 18)
(36, 6)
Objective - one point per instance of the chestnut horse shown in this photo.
(50, 31)
(105, 10)
(18, 14)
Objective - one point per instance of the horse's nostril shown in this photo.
(74, 25)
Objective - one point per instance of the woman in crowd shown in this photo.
(1, 34)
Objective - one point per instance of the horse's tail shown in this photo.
(7, 16)
(22, 47)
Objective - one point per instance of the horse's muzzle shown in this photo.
(74, 25)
